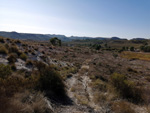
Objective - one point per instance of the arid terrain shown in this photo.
(87, 76)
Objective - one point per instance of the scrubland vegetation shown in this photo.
(86, 76)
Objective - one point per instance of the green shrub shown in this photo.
(12, 58)
(126, 88)
(50, 81)
(55, 41)
(14, 49)
(97, 46)
(5, 70)
(23, 56)
(3, 50)
(117, 80)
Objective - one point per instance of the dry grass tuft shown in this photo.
(122, 107)
(135, 55)
(25, 102)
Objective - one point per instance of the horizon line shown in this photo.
(74, 35)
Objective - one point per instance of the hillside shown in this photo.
(39, 77)
(46, 37)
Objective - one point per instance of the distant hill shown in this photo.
(115, 38)
(45, 37)
(26, 36)
(138, 39)
(39, 37)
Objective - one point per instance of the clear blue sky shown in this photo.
(104, 18)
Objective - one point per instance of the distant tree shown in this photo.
(97, 46)
(55, 41)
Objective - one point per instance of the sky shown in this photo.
(94, 18)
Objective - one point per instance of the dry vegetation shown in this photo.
(37, 77)
(136, 55)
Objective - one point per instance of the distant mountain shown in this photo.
(115, 38)
(79, 38)
(102, 38)
(40, 37)
(138, 39)
(45, 37)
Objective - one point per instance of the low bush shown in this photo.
(28, 102)
(99, 85)
(23, 56)
(17, 96)
(16, 83)
(50, 81)
(122, 107)
(12, 58)
(97, 46)
(99, 97)
(5, 70)
(126, 88)
(14, 49)
(3, 50)
(55, 41)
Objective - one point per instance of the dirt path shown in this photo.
(79, 92)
